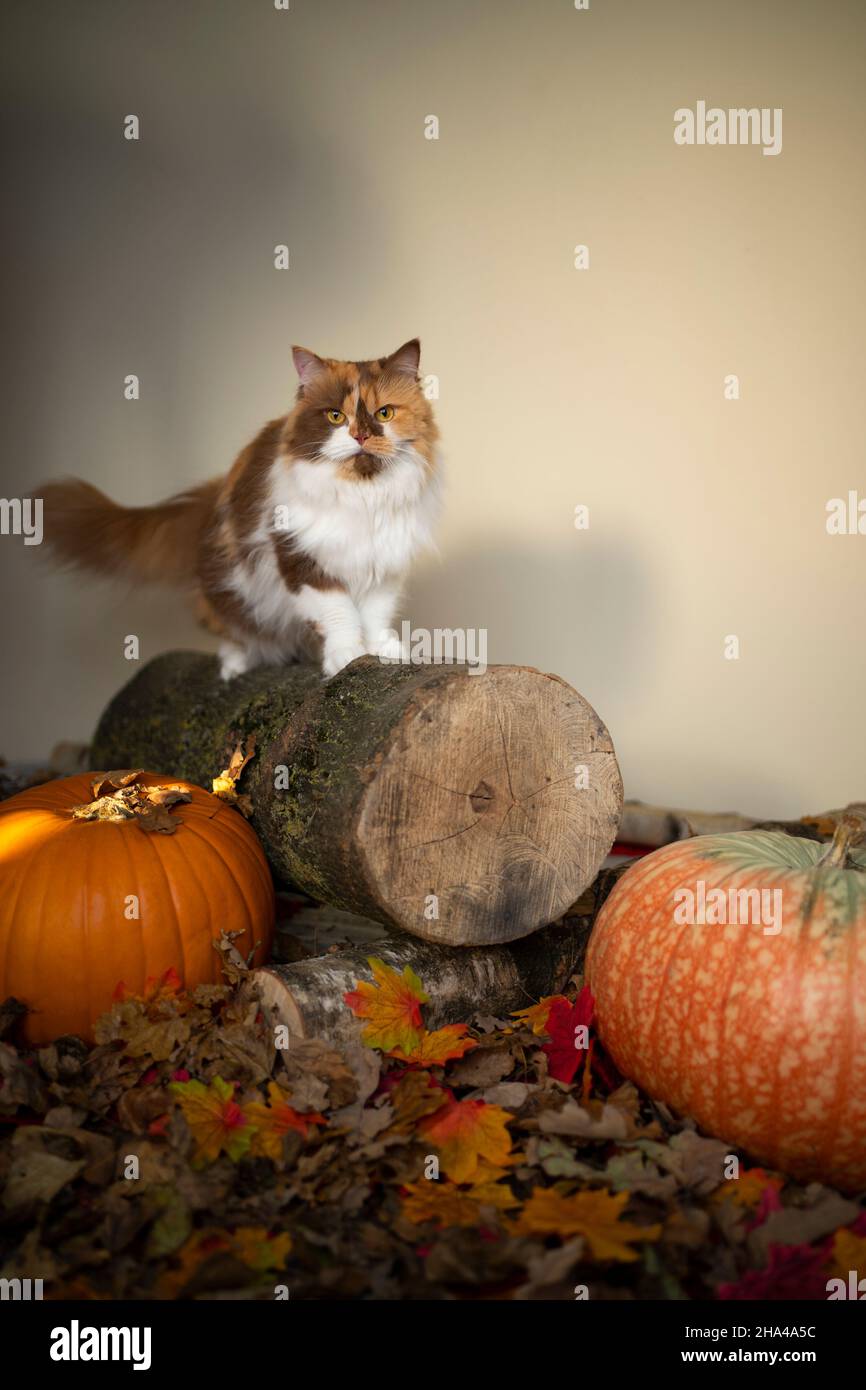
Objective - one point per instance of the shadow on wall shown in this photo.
(585, 611)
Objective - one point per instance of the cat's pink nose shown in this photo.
(361, 438)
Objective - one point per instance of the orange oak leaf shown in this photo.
(593, 1215)
(437, 1048)
(218, 1123)
(392, 1004)
(274, 1120)
(463, 1132)
(536, 1015)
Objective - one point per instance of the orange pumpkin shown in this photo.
(70, 890)
(747, 1013)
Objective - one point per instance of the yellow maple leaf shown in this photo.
(746, 1190)
(465, 1132)
(436, 1048)
(536, 1015)
(446, 1204)
(218, 1123)
(414, 1096)
(260, 1250)
(593, 1215)
(849, 1252)
(275, 1119)
(392, 1004)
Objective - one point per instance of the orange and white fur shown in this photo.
(302, 547)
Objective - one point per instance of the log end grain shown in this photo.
(491, 809)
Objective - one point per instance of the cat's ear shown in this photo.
(307, 364)
(405, 360)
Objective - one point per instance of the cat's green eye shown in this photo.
(336, 417)
(385, 413)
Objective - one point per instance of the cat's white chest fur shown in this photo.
(364, 533)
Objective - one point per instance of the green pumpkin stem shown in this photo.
(848, 832)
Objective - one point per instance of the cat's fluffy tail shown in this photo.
(86, 530)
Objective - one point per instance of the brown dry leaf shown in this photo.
(19, 1084)
(140, 1106)
(483, 1067)
(234, 965)
(144, 1032)
(803, 1224)
(225, 785)
(632, 1172)
(310, 1059)
(414, 1096)
(35, 1173)
(106, 782)
(126, 800)
(110, 808)
(696, 1163)
(602, 1122)
(511, 1095)
(11, 1010)
(550, 1267)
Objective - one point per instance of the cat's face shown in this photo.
(360, 415)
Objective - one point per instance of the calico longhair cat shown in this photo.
(302, 546)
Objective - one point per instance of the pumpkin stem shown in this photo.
(848, 832)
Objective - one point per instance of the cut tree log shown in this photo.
(308, 997)
(465, 808)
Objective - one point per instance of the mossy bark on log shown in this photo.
(308, 997)
(464, 808)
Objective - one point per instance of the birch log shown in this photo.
(464, 808)
(308, 997)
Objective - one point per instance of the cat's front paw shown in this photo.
(233, 659)
(390, 648)
(335, 658)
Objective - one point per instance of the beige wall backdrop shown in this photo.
(559, 387)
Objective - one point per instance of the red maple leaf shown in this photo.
(792, 1271)
(568, 1027)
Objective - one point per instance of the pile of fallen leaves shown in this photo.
(185, 1155)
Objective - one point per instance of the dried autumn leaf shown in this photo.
(848, 1252)
(437, 1048)
(464, 1132)
(392, 1004)
(594, 1215)
(445, 1204)
(218, 1124)
(275, 1120)
(568, 1025)
(748, 1189)
(536, 1015)
(414, 1096)
(260, 1250)
(168, 985)
(200, 1247)
(126, 800)
(225, 785)
(105, 782)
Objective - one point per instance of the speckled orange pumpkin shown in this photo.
(68, 930)
(759, 1034)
